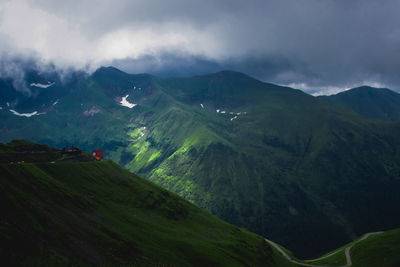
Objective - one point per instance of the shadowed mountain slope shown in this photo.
(275, 160)
(378, 103)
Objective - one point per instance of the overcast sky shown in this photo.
(314, 45)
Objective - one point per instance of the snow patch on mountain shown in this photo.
(125, 102)
(41, 85)
(25, 114)
(235, 114)
(143, 131)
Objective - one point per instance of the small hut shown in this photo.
(98, 154)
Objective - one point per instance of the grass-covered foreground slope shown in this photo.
(371, 249)
(379, 103)
(97, 213)
(378, 250)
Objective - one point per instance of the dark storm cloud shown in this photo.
(313, 44)
(169, 64)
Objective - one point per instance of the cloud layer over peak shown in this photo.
(318, 44)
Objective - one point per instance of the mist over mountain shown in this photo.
(285, 42)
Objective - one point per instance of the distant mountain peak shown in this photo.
(229, 74)
(366, 88)
(378, 103)
(108, 70)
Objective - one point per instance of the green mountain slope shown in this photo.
(291, 167)
(378, 250)
(378, 103)
(371, 249)
(279, 162)
(97, 213)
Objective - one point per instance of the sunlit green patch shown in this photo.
(154, 156)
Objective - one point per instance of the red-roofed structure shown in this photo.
(98, 154)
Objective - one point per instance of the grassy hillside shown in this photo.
(378, 103)
(279, 162)
(97, 213)
(371, 249)
(378, 250)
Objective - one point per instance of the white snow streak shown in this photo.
(125, 102)
(236, 114)
(41, 85)
(142, 132)
(25, 114)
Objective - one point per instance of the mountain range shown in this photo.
(309, 173)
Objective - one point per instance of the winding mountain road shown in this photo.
(347, 253)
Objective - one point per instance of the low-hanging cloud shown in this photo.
(310, 43)
(14, 71)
